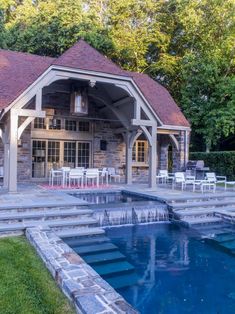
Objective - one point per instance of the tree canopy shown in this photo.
(186, 45)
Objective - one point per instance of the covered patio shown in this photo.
(81, 110)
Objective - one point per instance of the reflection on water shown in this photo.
(177, 272)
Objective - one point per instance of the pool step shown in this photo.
(54, 224)
(78, 232)
(202, 204)
(43, 214)
(199, 221)
(229, 244)
(224, 237)
(81, 241)
(123, 281)
(104, 257)
(91, 249)
(110, 269)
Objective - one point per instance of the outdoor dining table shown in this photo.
(65, 174)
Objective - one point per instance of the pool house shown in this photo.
(82, 110)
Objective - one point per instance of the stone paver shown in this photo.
(80, 283)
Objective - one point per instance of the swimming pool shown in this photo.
(121, 208)
(112, 198)
(177, 272)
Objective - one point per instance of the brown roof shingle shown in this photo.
(19, 70)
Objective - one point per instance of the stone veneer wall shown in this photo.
(24, 156)
(1, 153)
(114, 156)
(87, 291)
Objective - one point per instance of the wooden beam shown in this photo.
(122, 101)
(142, 122)
(24, 125)
(30, 113)
(168, 132)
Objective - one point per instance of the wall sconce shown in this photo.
(103, 145)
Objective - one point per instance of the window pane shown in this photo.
(38, 159)
(39, 123)
(84, 126)
(69, 154)
(83, 154)
(55, 124)
(53, 154)
(70, 125)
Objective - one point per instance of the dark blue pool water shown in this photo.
(177, 273)
(112, 198)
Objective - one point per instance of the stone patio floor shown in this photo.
(33, 195)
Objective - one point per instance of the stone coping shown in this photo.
(87, 291)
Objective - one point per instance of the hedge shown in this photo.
(222, 163)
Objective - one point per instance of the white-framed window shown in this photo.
(39, 123)
(140, 152)
(48, 154)
(55, 124)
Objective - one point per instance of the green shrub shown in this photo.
(222, 163)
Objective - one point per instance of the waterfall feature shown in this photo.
(131, 215)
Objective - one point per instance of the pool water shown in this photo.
(111, 198)
(119, 208)
(177, 273)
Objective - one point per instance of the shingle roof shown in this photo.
(83, 56)
(19, 70)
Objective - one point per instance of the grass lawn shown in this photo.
(26, 287)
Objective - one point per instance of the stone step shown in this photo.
(212, 229)
(79, 233)
(50, 223)
(195, 212)
(189, 205)
(109, 269)
(224, 237)
(43, 214)
(201, 197)
(195, 221)
(33, 209)
(122, 281)
(104, 257)
(73, 242)
(91, 249)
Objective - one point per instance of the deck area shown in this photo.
(67, 215)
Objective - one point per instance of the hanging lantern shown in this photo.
(79, 103)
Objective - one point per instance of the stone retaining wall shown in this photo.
(79, 282)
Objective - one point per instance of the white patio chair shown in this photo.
(114, 175)
(164, 176)
(65, 172)
(93, 175)
(1, 172)
(76, 176)
(55, 175)
(104, 175)
(213, 178)
(179, 178)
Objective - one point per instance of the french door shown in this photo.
(55, 154)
